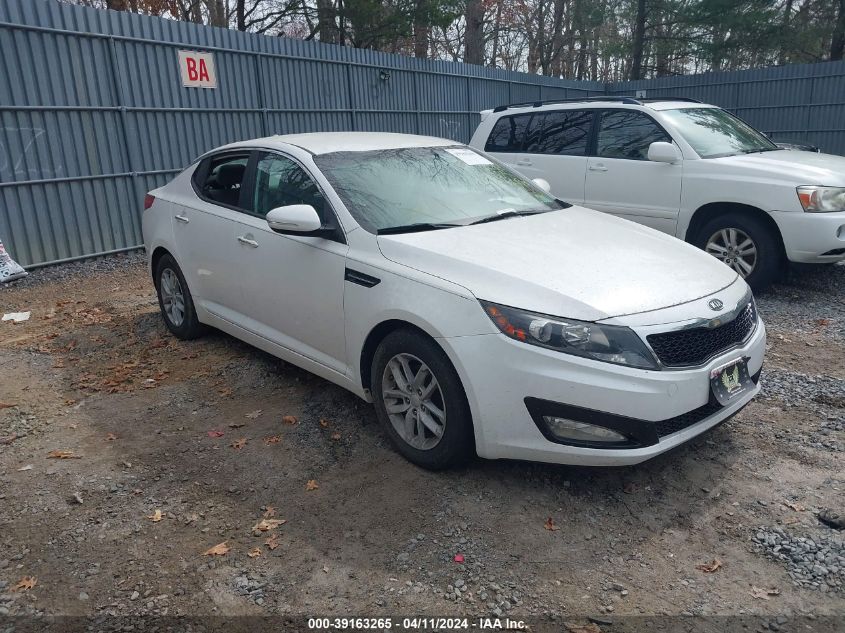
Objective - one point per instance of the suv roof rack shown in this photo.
(537, 104)
(624, 100)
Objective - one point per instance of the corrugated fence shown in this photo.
(93, 111)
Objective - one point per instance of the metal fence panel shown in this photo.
(93, 112)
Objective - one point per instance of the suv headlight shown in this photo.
(822, 199)
(608, 343)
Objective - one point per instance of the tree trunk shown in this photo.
(497, 25)
(474, 34)
(421, 30)
(639, 42)
(837, 44)
(327, 22)
(240, 15)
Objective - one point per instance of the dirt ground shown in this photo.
(171, 448)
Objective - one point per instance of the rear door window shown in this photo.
(565, 132)
(508, 135)
(627, 134)
(222, 178)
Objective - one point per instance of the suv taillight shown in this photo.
(148, 201)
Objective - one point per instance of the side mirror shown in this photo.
(543, 184)
(294, 218)
(662, 152)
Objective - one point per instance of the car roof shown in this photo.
(328, 142)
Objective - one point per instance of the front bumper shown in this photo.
(499, 374)
(812, 238)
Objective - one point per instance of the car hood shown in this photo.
(802, 168)
(574, 263)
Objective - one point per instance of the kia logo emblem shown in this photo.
(716, 304)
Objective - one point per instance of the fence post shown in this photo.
(262, 103)
(352, 116)
(415, 76)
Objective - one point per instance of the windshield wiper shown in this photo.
(415, 228)
(504, 216)
(759, 150)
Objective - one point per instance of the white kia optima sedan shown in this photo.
(478, 313)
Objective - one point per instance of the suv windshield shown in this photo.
(431, 186)
(713, 132)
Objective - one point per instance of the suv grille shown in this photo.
(695, 346)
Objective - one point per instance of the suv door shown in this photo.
(203, 232)
(620, 178)
(293, 284)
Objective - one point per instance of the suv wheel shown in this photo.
(420, 401)
(745, 244)
(175, 301)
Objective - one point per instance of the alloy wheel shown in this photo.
(735, 248)
(172, 297)
(413, 401)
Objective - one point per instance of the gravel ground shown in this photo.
(201, 431)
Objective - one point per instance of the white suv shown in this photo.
(685, 168)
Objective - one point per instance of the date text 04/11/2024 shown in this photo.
(416, 624)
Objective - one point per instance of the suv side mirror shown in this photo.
(543, 184)
(663, 152)
(294, 218)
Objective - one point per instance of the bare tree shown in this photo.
(474, 34)
(837, 44)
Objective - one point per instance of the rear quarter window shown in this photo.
(508, 135)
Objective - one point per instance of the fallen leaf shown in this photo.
(709, 568)
(272, 542)
(7, 405)
(797, 507)
(221, 549)
(70, 402)
(264, 525)
(254, 552)
(289, 419)
(236, 425)
(27, 467)
(62, 455)
(822, 322)
(324, 423)
(26, 583)
(156, 516)
(335, 436)
(225, 392)
(630, 488)
(312, 484)
(215, 433)
(270, 512)
(111, 437)
(550, 525)
(8, 440)
(459, 558)
(239, 444)
(763, 594)
(273, 439)
(325, 569)
(252, 415)
(591, 627)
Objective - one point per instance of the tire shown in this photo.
(734, 230)
(408, 352)
(169, 280)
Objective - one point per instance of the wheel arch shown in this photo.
(158, 253)
(376, 335)
(716, 209)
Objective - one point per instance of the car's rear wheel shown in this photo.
(420, 401)
(745, 244)
(175, 301)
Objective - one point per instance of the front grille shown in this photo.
(683, 348)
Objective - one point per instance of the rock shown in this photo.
(134, 595)
(83, 596)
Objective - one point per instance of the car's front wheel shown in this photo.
(745, 244)
(420, 401)
(175, 301)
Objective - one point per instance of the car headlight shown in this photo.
(822, 199)
(608, 343)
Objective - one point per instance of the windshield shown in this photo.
(713, 132)
(391, 188)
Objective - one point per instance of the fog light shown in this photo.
(566, 429)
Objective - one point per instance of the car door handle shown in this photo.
(245, 240)
(598, 167)
(525, 162)
(181, 218)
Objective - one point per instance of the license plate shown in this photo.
(730, 381)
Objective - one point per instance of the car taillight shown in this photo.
(148, 201)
